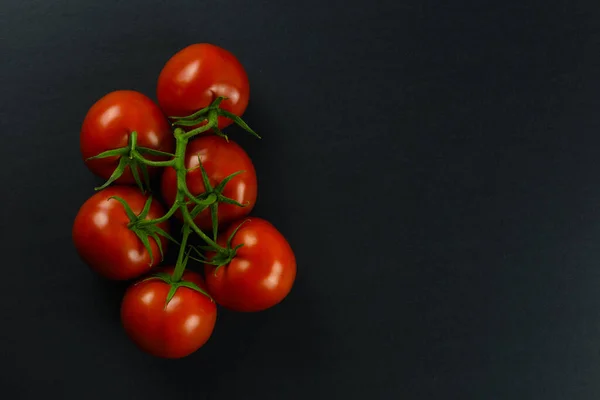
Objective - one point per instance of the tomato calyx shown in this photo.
(144, 231)
(132, 156)
(176, 284)
(211, 197)
(209, 116)
(222, 257)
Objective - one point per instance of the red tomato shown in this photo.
(197, 75)
(108, 124)
(104, 241)
(260, 275)
(220, 158)
(174, 331)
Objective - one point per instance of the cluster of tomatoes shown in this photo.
(207, 182)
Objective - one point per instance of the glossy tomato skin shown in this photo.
(220, 158)
(109, 122)
(262, 273)
(196, 75)
(176, 331)
(104, 241)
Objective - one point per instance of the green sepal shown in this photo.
(214, 218)
(205, 180)
(146, 208)
(130, 214)
(153, 152)
(123, 163)
(193, 286)
(240, 122)
(161, 232)
(154, 236)
(133, 166)
(110, 153)
(230, 238)
(227, 200)
(214, 207)
(219, 188)
(146, 176)
(215, 263)
(198, 208)
(171, 293)
(187, 123)
(213, 121)
(202, 256)
(146, 242)
(217, 269)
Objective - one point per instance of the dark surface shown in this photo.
(434, 166)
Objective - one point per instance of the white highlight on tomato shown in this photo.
(100, 219)
(250, 239)
(192, 322)
(109, 115)
(147, 298)
(187, 74)
(273, 278)
(226, 89)
(241, 189)
(243, 265)
(152, 137)
(135, 255)
(174, 302)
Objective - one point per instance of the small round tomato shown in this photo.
(174, 331)
(262, 272)
(104, 241)
(220, 158)
(195, 76)
(110, 121)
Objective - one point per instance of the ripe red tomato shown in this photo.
(220, 158)
(104, 241)
(197, 75)
(174, 331)
(108, 124)
(260, 275)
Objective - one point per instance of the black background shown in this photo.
(433, 163)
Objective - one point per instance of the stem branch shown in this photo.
(165, 217)
(140, 158)
(187, 217)
(196, 131)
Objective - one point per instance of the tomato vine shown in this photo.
(132, 156)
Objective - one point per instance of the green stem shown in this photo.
(140, 158)
(165, 217)
(196, 131)
(182, 191)
(187, 218)
(186, 192)
(132, 143)
(180, 265)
